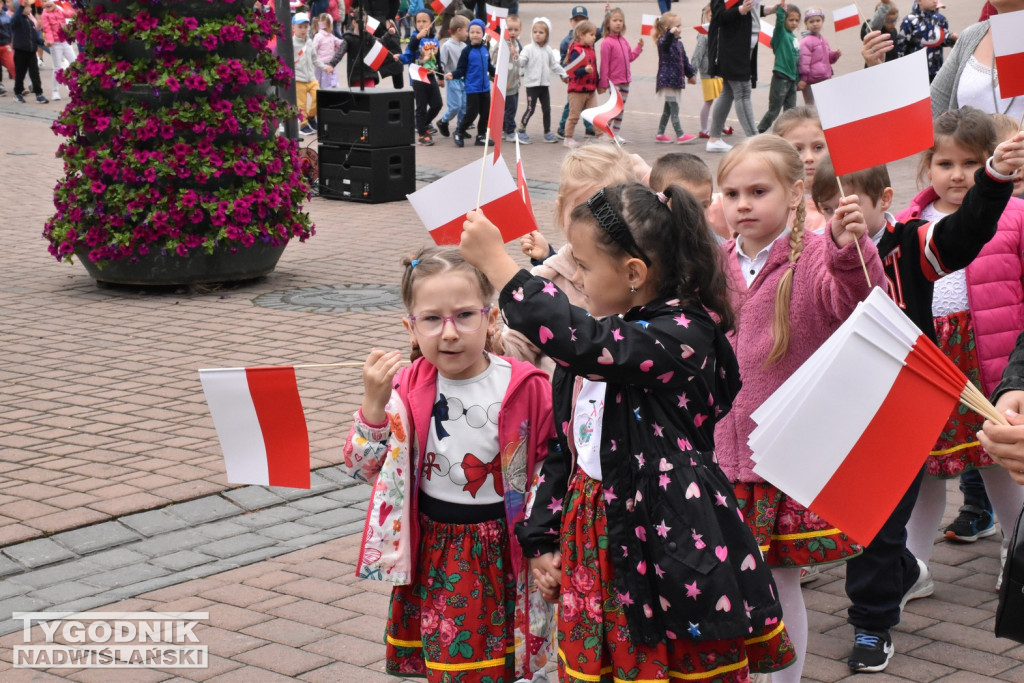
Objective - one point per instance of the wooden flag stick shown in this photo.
(483, 167)
(856, 241)
(348, 364)
(986, 409)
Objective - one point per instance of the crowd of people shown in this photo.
(624, 492)
(27, 31)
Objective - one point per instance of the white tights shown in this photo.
(1006, 495)
(794, 615)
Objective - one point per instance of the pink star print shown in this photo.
(639, 459)
(691, 590)
(616, 335)
(698, 419)
(719, 498)
(555, 505)
(609, 495)
(664, 480)
(684, 400)
(659, 571)
(663, 529)
(681, 319)
(625, 600)
(659, 430)
(549, 288)
(572, 333)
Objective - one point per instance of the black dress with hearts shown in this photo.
(684, 563)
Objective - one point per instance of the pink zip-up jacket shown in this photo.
(816, 59)
(53, 22)
(388, 456)
(616, 54)
(828, 283)
(995, 288)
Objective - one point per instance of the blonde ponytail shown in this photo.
(784, 291)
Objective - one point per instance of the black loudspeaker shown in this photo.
(361, 174)
(368, 118)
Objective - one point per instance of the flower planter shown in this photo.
(200, 9)
(163, 268)
(135, 49)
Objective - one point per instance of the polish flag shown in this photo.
(521, 180)
(647, 24)
(440, 5)
(491, 34)
(897, 391)
(419, 73)
(442, 205)
(372, 25)
(601, 116)
(846, 17)
(729, 4)
(377, 55)
(496, 15)
(702, 29)
(764, 36)
(260, 424)
(496, 119)
(864, 129)
(936, 39)
(1008, 47)
(576, 63)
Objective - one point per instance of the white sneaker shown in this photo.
(55, 96)
(922, 588)
(619, 139)
(719, 146)
(40, 60)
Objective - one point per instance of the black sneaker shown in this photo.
(971, 524)
(872, 651)
(426, 140)
(19, 98)
(442, 128)
(458, 139)
(431, 129)
(41, 100)
(481, 141)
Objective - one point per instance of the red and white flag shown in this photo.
(576, 62)
(897, 392)
(376, 56)
(1008, 46)
(702, 29)
(496, 119)
(260, 424)
(496, 15)
(936, 38)
(521, 180)
(419, 73)
(764, 35)
(439, 5)
(729, 4)
(442, 205)
(863, 129)
(372, 25)
(846, 17)
(647, 24)
(600, 117)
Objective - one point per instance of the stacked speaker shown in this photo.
(367, 151)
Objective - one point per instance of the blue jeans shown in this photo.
(456, 100)
(973, 488)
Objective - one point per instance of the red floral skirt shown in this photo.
(789, 534)
(593, 638)
(957, 448)
(454, 623)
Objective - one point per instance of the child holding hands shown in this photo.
(581, 65)
(616, 55)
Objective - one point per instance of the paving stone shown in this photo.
(183, 559)
(118, 557)
(96, 537)
(38, 553)
(351, 495)
(236, 545)
(165, 544)
(132, 590)
(315, 504)
(10, 588)
(153, 522)
(292, 494)
(68, 571)
(125, 576)
(206, 509)
(311, 540)
(286, 531)
(64, 592)
(269, 517)
(222, 529)
(334, 518)
(22, 603)
(254, 497)
(9, 566)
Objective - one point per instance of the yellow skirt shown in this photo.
(711, 88)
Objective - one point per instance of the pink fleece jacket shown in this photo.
(53, 23)
(616, 54)
(828, 284)
(995, 288)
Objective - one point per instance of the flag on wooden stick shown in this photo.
(846, 17)
(864, 129)
(419, 73)
(647, 22)
(601, 116)
(764, 34)
(702, 29)
(260, 424)
(496, 119)
(495, 15)
(1008, 46)
(376, 55)
(521, 180)
(439, 5)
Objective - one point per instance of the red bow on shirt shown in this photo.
(476, 473)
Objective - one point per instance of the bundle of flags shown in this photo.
(872, 399)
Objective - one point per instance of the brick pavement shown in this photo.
(105, 436)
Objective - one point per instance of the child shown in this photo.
(673, 67)
(792, 290)
(451, 443)
(455, 87)
(476, 69)
(816, 57)
(631, 525)
(581, 65)
(910, 270)
(356, 45)
(325, 44)
(786, 45)
(54, 21)
(513, 26)
(978, 313)
(884, 19)
(23, 40)
(925, 28)
(710, 86)
(306, 62)
(422, 50)
(538, 60)
(577, 15)
(616, 55)
(801, 128)
(690, 173)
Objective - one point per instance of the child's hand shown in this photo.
(848, 222)
(565, 79)
(692, 80)
(801, 85)
(640, 44)
(482, 246)
(329, 69)
(874, 47)
(839, 53)
(534, 245)
(675, 30)
(396, 57)
(601, 91)
(547, 574)
(1009, 155)
(378, 372)
(448, 76)
(589, 69)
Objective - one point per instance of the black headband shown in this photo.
(610, 221)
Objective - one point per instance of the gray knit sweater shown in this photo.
(947, 81)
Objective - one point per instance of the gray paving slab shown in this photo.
(153, 522)
(206, 509)
(315, 504)
(68, 571)
(9, 566)
(236, 545)
(125, 576)
(117, 557)
(253, 497)
(333, 518)
(183, 559)
(64, 592)
(38, 553)
(169, 543)
(95, 537)
(225, 528)
(269, 517)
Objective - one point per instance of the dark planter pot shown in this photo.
(136, 50)
(157, 269)
(200, 9)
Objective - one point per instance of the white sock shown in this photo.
(923, 527)
(794, 615)
(1006, 496)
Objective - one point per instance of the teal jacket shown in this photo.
(786, 46)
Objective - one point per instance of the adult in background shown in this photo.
(729, 37)
(1006, 443)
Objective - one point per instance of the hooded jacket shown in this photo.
(729, 42)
